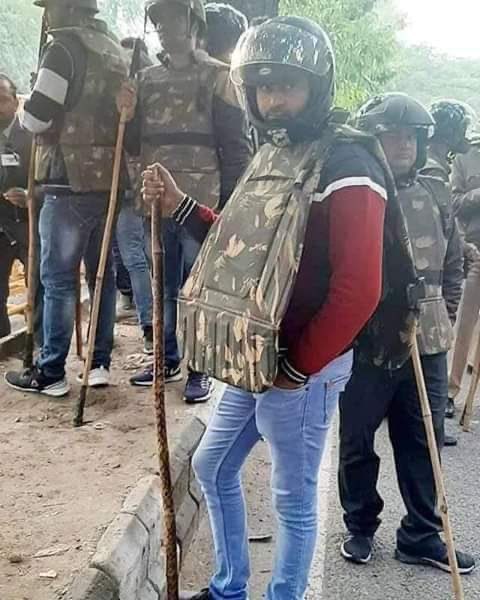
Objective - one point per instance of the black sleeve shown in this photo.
(233, 143)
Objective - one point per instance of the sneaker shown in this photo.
(357, 549)
(98, 377)
(203, 595)
(148, 340)
(198, 388)
(450, 440)
(437, 558)
(450, 410)
(34, 381)
(145, 377)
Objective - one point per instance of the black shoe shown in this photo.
(437, 558)
(470, 369)
(450, 410)
(35, 382)
(203, 595)
(198, 388)
(357, 549)
(450, 440)
(145, 378)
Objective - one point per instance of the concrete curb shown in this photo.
(13, 344)
(129, 562)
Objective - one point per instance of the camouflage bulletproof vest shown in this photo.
(86, 133)
(177, 126)
(232, 305)
(426, 206)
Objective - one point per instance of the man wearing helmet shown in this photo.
(453, 142)
(376, 392)
(287, 71)
(189, 118)
(72, 111)
(225, 25)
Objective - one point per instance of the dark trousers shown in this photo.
(372, 395)
(15, 247)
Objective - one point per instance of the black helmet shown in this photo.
(225, 25)
(388, 112)
(269, 52)
(195, 6)
(454, 121)
(85, 4)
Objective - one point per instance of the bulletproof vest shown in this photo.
(178, 128)
(427, 208)
(386, 339)
(86, 132)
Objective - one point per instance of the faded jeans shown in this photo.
(181, 251)
(71, 230)
(131, 243)
(295, 424)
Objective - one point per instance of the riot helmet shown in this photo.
(196, 10)
(276, 50)
(90, 5)
(454, 123)
(388, 112)
(225, 25)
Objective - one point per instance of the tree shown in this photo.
(429, 76)
(363, 33)
(20, 26)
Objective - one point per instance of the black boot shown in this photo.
(450, 410)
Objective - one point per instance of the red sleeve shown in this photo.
(356, 248)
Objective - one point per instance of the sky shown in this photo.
(452, 27)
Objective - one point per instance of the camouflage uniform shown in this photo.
(239, 290)
(83, 139)
(181, 132)
(190, 120)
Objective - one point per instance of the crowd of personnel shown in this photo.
(302, 257)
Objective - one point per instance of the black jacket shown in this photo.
(20, 143)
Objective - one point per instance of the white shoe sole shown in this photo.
(359, 561)
(55, 390)
(95, 381)
(429, 562)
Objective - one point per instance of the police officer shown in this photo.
(189, 117)
(457, 154)
(377, 391)
(452, 121)
(15, 146)
(225, 25)
(287, 71)
(72, 110)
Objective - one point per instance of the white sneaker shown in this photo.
(99, 377)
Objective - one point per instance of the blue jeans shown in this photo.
(181, 251)
(122, 278)
(131, 243)
(71, 229)
(295, 424)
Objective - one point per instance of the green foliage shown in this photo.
(429, 76)
(364, 40)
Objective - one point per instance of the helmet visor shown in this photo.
(261, 50)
